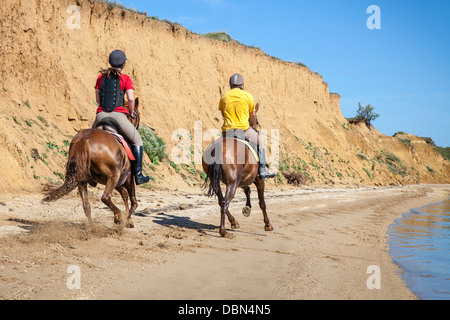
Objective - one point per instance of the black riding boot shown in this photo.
(263, 173)
(137, 166)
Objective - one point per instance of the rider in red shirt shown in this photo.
(110, 90)
(125, 84)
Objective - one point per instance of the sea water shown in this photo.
(419, 243)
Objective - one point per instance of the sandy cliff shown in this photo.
(49, 70)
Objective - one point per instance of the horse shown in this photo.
(228, 160)
(96, 156)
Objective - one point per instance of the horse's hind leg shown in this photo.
(82, 188)
(222, 231)
(247, 210)
(234, 223)
(106, 199)
(260, 185)
(224, 205)
(124, 193)
(132, 194)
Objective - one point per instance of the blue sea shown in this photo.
(420, 244)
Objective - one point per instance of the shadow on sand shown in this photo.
(171, 221)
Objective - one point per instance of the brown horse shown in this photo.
(228, 160)
(96, 156)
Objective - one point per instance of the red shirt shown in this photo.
(125, 84)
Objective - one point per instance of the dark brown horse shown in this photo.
(96, 156)
(228, 160)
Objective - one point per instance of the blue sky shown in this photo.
(402, 69)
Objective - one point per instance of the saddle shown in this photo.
(125, 144)
(240, 136)
(110, 125)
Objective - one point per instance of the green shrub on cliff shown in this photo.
(154, 146)
(364, 114)
(219, 36)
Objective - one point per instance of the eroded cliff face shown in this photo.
(49, 70)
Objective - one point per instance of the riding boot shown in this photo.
(263, 173)
(138, 152)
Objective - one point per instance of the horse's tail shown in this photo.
(214, 176)
(77, 169)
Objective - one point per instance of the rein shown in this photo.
(137, 117)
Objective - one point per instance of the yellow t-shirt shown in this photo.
(236, 106)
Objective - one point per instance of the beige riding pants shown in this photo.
(250, 134)
(126, 128)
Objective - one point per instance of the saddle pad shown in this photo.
(251, 148)
(125, 145)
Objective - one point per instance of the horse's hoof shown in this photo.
(236, 225)
(130, 225)
(118, 219)
(246, 211)
(227, 235)
(268, 227)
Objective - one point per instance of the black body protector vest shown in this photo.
(111, 97)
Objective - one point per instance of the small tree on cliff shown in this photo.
(364, 114)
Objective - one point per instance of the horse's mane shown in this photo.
(111, 72)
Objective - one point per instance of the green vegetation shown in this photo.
(321, 165)
(406, 141)
(219, 36)
(44, 140)
(225, 37)
(364, 114)
(43, 120)
(393, 163)
(154, 146)
(346, 126)
(301, 64)
(362, 156)
(16, 121)
(368, 173)
(445, 152)
(431, 170)
(429, 141)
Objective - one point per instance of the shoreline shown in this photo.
(324, 242)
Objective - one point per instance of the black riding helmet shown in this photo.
(117, 58)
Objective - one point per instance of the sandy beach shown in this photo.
(324, 243)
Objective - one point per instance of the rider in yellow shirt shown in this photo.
(239, 113)
(236, 105)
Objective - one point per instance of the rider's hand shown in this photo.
(133, 115)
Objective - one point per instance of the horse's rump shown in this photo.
(78, 165)
(228, 159)
(86, 150)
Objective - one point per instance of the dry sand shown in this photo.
(323, 243)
